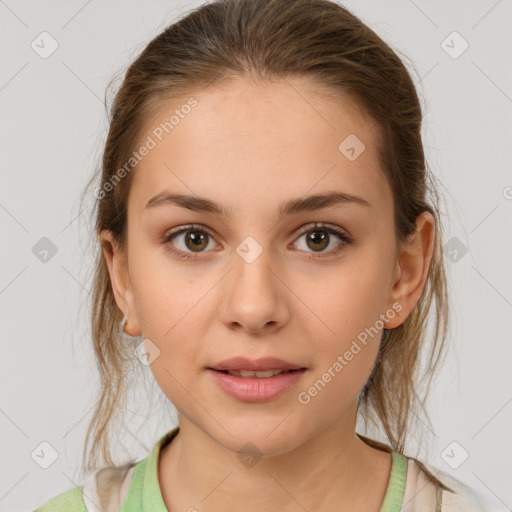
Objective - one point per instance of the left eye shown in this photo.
(318, 237)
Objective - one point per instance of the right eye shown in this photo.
(193, 239)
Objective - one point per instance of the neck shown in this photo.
(333, 470)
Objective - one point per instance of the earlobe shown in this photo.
(413, 265)
(119, 278)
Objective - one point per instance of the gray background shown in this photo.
(53, 125)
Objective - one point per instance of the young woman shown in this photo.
(270, 233)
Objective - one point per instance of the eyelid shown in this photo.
(322, 225)
(188, 227)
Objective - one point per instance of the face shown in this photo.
(311, 286)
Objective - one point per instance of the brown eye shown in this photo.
(196, 240)
(186, 241)
(318, 239)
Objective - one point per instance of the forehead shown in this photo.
(259, 140)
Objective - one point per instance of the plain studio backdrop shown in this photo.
(53, 126)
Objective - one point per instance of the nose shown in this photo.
(254, 296)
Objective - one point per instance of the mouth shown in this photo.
(259, 380)
(262, 374)
(256, 380)
(244, 367)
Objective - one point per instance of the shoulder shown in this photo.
(110, 487)
(428, 488)
(104, 489)
(69, 501)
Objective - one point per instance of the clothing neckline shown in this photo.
(152, 493)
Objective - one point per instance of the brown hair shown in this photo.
(275, 39)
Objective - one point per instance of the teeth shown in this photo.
(260, 374)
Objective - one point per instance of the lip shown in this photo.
(265, 363)
(255, 389)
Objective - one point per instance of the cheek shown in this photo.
(345, 301)
(162, 290)
(169, 306)
(343, 361)
(171, 314)
(345, 330)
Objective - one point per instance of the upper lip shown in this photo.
(265, 363)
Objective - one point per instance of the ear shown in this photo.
(412, 268)
(120, 280)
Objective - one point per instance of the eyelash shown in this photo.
(345, 239)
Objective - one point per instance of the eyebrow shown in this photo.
(290, 207)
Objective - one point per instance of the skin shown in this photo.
(251, 145)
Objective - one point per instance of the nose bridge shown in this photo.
(254, 296)
(253, 263)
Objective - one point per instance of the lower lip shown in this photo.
(254, 389)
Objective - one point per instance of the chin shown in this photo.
(259, 437)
